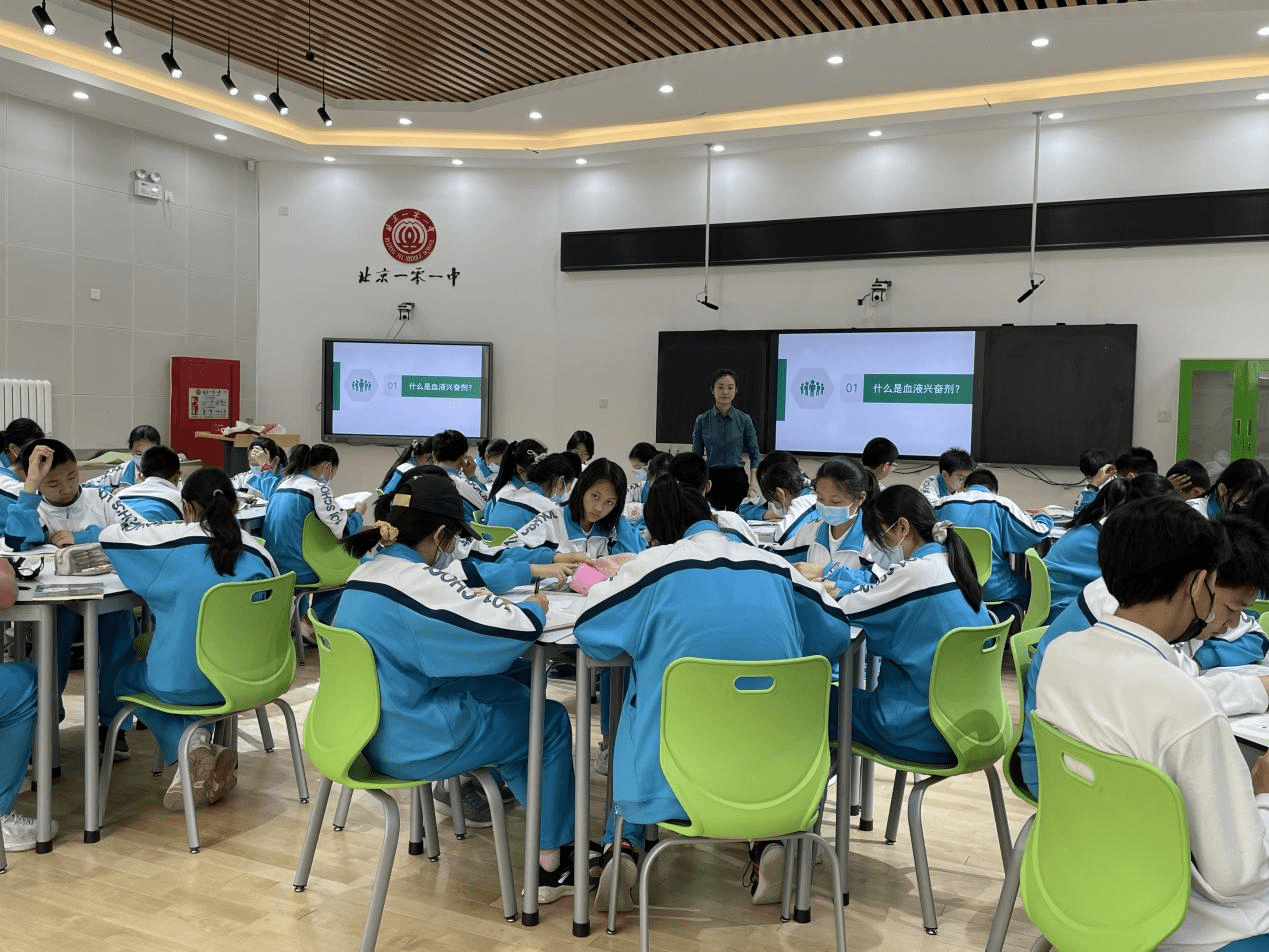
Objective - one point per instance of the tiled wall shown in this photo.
(174, 281)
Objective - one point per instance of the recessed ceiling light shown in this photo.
(579, 161)
(717, 147)
(80, 94)
(1262, 97)
(455, 161)
(405, 122)
(1040, 41)
(535, 115)
(667, 88)
(328, 158)
(874, 133)
(835, 60)
(220, 137)
(1056, 115)
(1263, 31)
(260, 97)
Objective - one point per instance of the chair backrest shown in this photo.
(494, 535)
(979, 543)
(244, 644)
(330, 561)
(967, 697)
(1041, 595)
(744, 744)
(1107, 864)
(344, 715)
(1260, 607)
(1022, 645)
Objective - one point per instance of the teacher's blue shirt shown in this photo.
(724, 439)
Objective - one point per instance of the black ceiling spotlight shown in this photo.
(112, 38)
(1035, 285)
(43, 19)
(169, 58)
(703, 297)
(322, 114)
(230, 86)
(275, 97)
(308, 47)
(1035, 216)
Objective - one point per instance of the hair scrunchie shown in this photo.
(387, 532)
(939, 533)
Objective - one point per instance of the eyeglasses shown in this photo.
(23, 572)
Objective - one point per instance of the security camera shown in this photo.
(876, 292)
(404, 310)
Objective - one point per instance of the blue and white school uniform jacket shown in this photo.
(292, 501)
(557, 531)
(793, 516)
(260, 483)
(429, 633)
(516, 506)
(846, 560)
(32, 520)
(169, 565)
(933, 488)
(10, 490)
(395, 479)
(485, 473)
(704, 596)
(472, 494)
(498, 568)
(121, 474)
(1211, 506)
(154, 498)
(1012, 531)
(1072, 564)
(1087, 495)
(733, 525)
(903, 617)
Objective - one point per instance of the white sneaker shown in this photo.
(768, 875)
(20, 832)
(627, 872)
(602, 759)
(203, 757)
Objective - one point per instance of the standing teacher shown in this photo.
(724, 435)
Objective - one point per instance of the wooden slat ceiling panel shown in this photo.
(467, 50)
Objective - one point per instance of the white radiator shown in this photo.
(26, 398)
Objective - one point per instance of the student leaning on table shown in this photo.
(55, 509)
(695, 593)
(172, 565)
(1118, 687)
(17, 728)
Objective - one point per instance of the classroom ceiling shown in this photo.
(467, 50)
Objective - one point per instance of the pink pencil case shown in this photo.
(604, 568)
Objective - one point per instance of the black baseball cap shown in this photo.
(437, 495)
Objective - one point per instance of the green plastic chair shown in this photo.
(763, 782)
(1107, 865)
(342, 719)
(1022, 645)
(968, 706)
(330, 562)
(494, 535)
(979, 543)
(243, 647)
(1041, 594)
(1260, 607)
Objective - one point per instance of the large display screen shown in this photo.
(397, 390)
(836, 390)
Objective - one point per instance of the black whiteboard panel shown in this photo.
(685, 362)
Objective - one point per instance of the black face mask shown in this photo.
(1195, 628)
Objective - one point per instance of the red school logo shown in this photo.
(409, 235)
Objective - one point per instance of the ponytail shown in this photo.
(671, 509)
(211, 491)
(414, 450)
(305, 457)
(548, 469)
(519, 454)
(961, 561)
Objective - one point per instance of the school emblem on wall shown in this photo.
(409, 235)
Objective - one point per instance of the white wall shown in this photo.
(180, 283)
(563, 342)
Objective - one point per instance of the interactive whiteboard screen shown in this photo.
(837, 390)
(397, 390)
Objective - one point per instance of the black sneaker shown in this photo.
(508, 796)
(475, 806)
(765, 873)
(562, 671)
(121, 744)
(627, 872)
(559, 882)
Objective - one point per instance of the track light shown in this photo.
(703, 298)
(279, 104)
(112, 39)
(323, 115)
(43, 19)
(230, 86)
(169, 58)
(1035, 286)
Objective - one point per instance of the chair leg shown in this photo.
(896, 804)
(806, 868)
(309, 848)
(648, 859)
(107, 763)
(866, 771)
(431, 836)
(187, 785)
(919, 858)
(810, 841)
(786, 902)
(341, 809)
(455, 787)
(614, 880)
(266, 732)
(297, 756)
(502, 848)
(156, 768)
(1001, 817)
(1041, 945)
(295, 630)
(383, 874)
(4, 860)
(1008, 892)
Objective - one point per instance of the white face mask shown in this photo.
(493, 470)
(255, 469)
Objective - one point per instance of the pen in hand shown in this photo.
(537, 584)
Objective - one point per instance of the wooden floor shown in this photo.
(140, 890)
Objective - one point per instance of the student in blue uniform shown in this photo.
(1072, 562)
(1134, 461)
(686, 597)
(790, 496)
(1191, 479)
(440, 653)
(1012, 531)
(489, 460)
(690, 470)
(417, 453)
(451, 452)
(1097, 467)
(265, 462)
(759, 506)
(17, 434)
(582, 442)
(880, 454)
(516, 460)
(18, 708)
(155, 497)
(12, 477)
(128, 472)
(172, 565)
(724, 435)
(640, 455)
(590, 521)
(954, 465)
(544, 488)
(305, 490)
(1234, 486)
(830, 542)
(54, 508)
(932, 587)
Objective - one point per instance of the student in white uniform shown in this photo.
(265, 462)
(1097, 467)
(545, 488)
(155, 496)
(583, 444)
(954, 465)
(18, 704)
(452, 453)
(19, 432)
(880, 454)
(1118, 687)
(129, 471)
(489, 460)
(831, 543)
(416, 453)
(690, 470)
(519, 456)
(780, 483)
(640, 456)
(590, 521)
(1235, 485)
